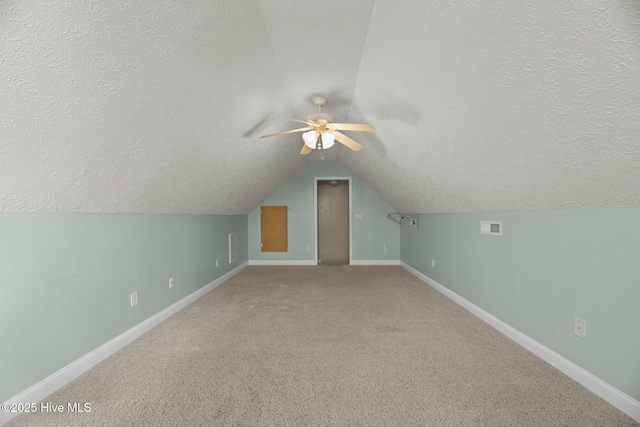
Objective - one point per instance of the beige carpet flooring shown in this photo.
(326, 346)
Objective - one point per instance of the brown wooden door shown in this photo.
(273, 228)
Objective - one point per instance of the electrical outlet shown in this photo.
(170, 282)
(386, 248)
(217, 262)
(433, 263)
(579, 327)
(308, 248)
(134, 298)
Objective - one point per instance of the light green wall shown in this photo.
(370, 233)
(65, 280)
(548, 267)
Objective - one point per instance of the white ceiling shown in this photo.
(157, 106)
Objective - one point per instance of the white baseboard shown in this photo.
(53, 382)
(607, 392)
(375, 262)
(282, 262)
(312, 262)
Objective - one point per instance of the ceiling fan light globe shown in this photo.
(310, 138)
(328, 139)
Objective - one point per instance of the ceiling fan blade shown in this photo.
(345, 140)
(357, 127)
(305, 149)
(286, 131)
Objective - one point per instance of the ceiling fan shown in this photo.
(321, 133)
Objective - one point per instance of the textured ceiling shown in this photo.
(501, 105)
(157, 106)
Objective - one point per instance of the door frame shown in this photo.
(315, 211)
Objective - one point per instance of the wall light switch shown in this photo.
(170, 282)
(358, 216)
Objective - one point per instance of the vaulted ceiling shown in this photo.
(157, 106)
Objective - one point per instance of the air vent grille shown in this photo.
(493, 228)
(233, 248)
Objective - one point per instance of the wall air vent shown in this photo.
(233, 249)
(491, 227)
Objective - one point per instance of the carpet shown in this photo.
(325, 346)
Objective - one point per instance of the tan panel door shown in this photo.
(273, 228)
(333, 222)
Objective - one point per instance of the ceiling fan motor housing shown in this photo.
(319, 117)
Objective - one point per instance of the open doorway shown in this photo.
(333, 206)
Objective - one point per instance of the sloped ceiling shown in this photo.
(503, 105)
(157, 106)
